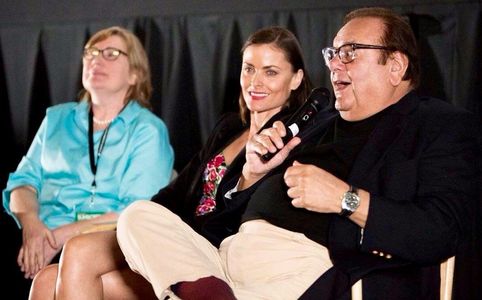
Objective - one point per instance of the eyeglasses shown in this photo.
(346, 53)
(109, 53)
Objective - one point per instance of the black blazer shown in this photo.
(419, 166)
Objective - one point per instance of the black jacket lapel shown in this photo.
(382, 138)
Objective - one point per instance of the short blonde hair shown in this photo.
(138, 63)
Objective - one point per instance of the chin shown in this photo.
(347, 116)
(339, 104)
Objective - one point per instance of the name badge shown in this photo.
(86, 215)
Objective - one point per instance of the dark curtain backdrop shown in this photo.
(193, 47)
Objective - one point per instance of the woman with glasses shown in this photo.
(92, 158)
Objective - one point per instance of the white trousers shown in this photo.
(261, 261)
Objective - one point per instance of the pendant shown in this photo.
(92, 196)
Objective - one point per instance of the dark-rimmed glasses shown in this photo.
(109, 53)
(346, 53)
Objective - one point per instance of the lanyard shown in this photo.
(94, 161)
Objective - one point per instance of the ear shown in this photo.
(398, 63)
(296, 80)
(132, 78)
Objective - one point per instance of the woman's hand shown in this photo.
(268, 140)
(36, 239)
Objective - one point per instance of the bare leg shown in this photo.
(93, 267)
(43, 285)
(126, 284)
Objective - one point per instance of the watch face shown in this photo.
(351, 201)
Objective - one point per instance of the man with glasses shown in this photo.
(416, 172)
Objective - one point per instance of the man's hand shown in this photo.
(314, 189)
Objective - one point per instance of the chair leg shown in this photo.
(357, 291)
(447, 278)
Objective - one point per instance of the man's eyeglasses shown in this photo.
(346, 53)
(107, 53)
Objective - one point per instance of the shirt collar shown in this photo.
(126, 116)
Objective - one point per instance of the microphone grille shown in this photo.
(320, 97)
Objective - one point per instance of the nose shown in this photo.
(97, 59)
(256, 79)
(335, 64)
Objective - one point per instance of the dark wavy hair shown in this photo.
(287, 42)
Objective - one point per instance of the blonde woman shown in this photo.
(92, 158)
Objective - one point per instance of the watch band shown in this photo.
(345, 212)
(353, 189)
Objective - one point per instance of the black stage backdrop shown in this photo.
(194, 46)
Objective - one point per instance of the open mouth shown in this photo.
(340, 84)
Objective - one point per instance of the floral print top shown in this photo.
(214, 172)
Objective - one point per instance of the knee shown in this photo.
(77, 249)
(76, 256)
(130, 217)
(43, 285)
(133, 220)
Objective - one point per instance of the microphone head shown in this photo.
(318, 100)
(319, 97)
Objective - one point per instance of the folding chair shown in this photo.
(446, 282)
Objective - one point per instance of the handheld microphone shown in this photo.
(318, 98)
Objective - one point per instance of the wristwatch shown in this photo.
(349, 202)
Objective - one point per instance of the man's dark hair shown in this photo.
(397, 35)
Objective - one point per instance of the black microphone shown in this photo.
(317, 100)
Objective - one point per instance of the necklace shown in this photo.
(102, 122)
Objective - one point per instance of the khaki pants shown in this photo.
(261, 261)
